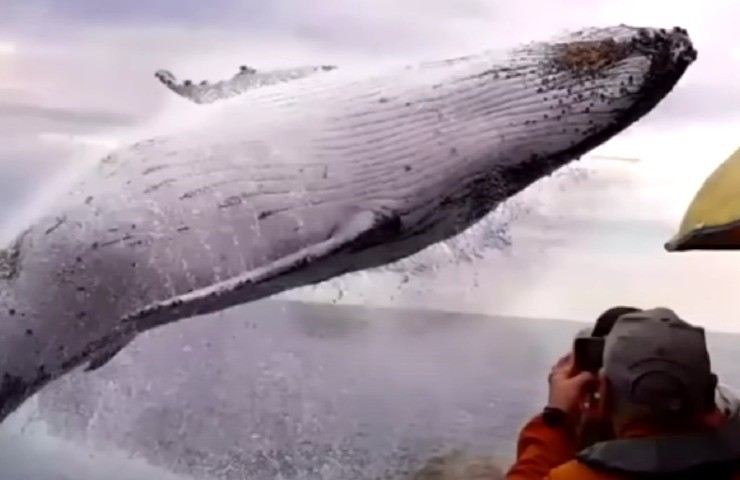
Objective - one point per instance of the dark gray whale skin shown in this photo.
(295, 183)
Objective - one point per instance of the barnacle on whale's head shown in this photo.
(590, 56)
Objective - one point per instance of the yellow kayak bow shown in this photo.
(712, 221)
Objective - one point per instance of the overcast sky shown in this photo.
(84, 69)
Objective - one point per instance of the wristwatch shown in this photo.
(554, 417)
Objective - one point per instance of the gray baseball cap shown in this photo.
(657, 362)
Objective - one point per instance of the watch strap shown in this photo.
(554, 417)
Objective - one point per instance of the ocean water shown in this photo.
(36, 455)
(289, 390)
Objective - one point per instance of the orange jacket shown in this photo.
(545, 453)
(540, 449)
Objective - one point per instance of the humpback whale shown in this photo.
(290, 180)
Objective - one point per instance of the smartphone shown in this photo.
(588, 354)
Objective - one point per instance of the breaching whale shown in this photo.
(304, 179)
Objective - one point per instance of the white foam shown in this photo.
(29, 452)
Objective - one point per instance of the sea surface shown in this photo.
(291, 390)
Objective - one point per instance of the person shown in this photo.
(656, 389)
(592, 428)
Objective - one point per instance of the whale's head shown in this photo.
(510, 120)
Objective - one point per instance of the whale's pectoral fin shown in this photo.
(247, 79)
(106, 354)
(362, 230)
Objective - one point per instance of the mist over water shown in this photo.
(28, 451)
(292, 391)
(298, 391)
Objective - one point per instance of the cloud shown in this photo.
(61, 117)
(144, 34)
(137, 12)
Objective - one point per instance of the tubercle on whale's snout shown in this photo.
(675, 42)
(589, 58)
(593, 56)
(670, 53)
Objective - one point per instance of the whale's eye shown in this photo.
(590, 56)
